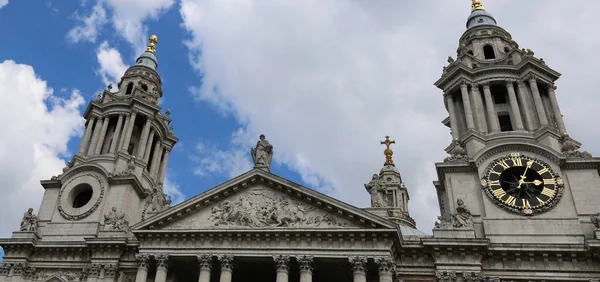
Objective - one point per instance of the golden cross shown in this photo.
(388, 152)
(388, 142)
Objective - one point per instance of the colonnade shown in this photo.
(385, 266)
(482, 117)
(95, 134)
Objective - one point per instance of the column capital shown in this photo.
(475, 86)
(509, 83)
(445, 276)
(552, 86)
(485, 84)
(521, 83)
(226, 262)
(359, 264)
(93, 270)
(142, 260)
(162, 260)
(111, 270)
(135, 111)
(464, 84)
(531, 77)
(305, 263)
(205, 261)
(386, 265)
(282, 262)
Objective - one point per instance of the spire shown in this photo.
(388, 152)
(479, 16)
(153, 40)
(477, 5)
(148, 58)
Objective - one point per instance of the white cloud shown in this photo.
(172, 189)
(3, 3)
(89, 26)
(327, 80)
(210, 160)
(111, 64)
(39, 125)
(126, 16)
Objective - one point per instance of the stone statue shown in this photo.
(457, 153)
(596, 220)
(159, 201)
(570, 148)
(171, 130)
(29, 223)
(462, 217)
(263, 153)
(376, 188)
(115, 220)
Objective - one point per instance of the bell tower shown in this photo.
(121, 162)
(389, 195)
(514, 175)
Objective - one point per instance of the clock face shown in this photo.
(522, 184)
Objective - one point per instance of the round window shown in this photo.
(81, 195)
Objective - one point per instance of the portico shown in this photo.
(278, 268)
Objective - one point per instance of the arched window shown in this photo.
(488, 52)
(145, 87)
(129, 88)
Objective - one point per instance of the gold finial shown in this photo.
(388, 152)
(477, 5)
(152, 45)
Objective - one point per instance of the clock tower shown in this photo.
(514, 178)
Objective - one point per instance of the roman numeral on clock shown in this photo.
(548, 192)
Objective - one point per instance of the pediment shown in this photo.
(261, 200)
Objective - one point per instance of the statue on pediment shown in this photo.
(377, 189)
(29, 223)
(462, 218)
(263, 153)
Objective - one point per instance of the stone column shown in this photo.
(527, 107)
(110, 272)
(537, 100)
(155, 159)
(102, 135)
(129, 131)
(205, 263)
(556, 109)
(95, 135)
(86, 136)
(452, 112)
(123, 132)
(359, 267)
(283, 268)
(305, 264)
(467, 105)
(148, 146)
(226, 268)
(115, 137)
(144, 138)
(479, 111)
(142, 271)
(162, 265)
(514, 106)
(490, 109)
(386, 267)
(93, 273)
(163, 164)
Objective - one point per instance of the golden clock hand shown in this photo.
(535, 182)
(523, 176)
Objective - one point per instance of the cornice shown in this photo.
(493, 72)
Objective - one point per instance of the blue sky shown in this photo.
(325, 81)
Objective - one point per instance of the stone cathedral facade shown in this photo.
(518, 199)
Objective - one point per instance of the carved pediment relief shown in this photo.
(260, 207)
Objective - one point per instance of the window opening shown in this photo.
(390, 198)
(145, 87)
(488, 52)
(505, 123)
(129, 88)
